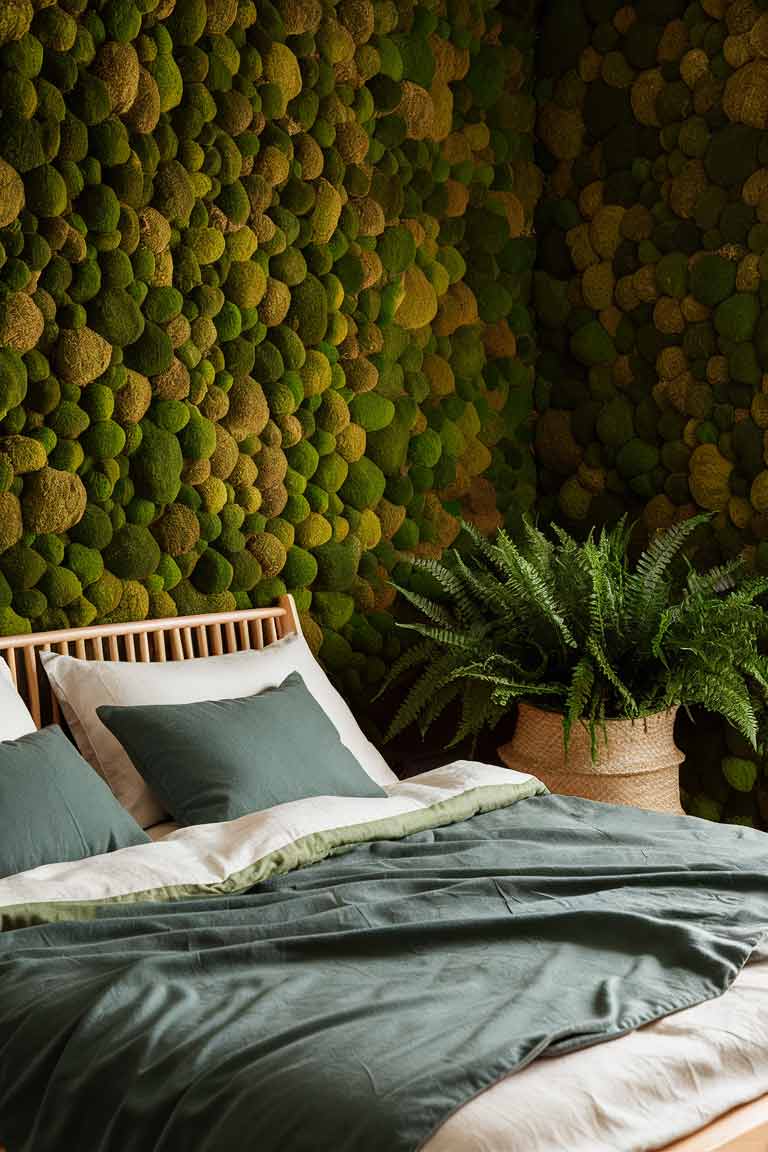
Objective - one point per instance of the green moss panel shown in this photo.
(264, 282)
(651, 294)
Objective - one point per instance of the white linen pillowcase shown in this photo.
(15, 718)
(82, 686)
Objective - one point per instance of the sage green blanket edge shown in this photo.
(309, 849)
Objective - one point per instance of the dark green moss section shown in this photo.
(651, 296)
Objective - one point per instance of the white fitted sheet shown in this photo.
(633, 1094)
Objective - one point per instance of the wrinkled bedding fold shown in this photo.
(418, 955)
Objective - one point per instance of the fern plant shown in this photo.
(579, 628)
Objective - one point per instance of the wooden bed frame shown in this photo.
(744, 1129)
(144, 642)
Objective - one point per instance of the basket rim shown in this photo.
(625, 747)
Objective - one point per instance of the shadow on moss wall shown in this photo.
(651, 293)
(264, 274)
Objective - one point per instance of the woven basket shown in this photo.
(637, 764)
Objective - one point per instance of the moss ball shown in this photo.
(133, 553)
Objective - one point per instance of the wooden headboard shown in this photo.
(145, 641)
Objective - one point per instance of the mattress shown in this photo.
(637, 1093)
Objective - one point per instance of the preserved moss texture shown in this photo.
(651, 295)
(264, 274)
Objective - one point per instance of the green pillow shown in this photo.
(54, 807)
(221, 759)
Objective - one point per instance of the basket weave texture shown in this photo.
(637, 764)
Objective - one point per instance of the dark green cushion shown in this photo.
(54, 807)
(221, 759)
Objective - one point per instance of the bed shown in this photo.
(712, 1093)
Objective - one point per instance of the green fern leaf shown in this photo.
(433, 611)
(410, 659)
(432, 680)
(579, 692)
(603, 663)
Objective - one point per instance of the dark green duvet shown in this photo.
(353, 1005)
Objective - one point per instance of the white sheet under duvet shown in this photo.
(640, 1092)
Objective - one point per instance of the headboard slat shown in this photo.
(245, 640)
(145, 640)
(31, 685)
(177, 652)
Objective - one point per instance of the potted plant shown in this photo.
(597, 651)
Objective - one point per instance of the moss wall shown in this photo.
(652, 292)
(263, 283)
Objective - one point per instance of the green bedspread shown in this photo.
(354, 1004)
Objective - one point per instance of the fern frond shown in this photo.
(595, 649)
(483, 546)
(438, 704)
(538, 548)
(504, 687)
(433, 611)
(488, 590)
(647, 586)
(668, 618)
(475, 707)
(729, 696)
(533, 590)
(435, 677)
(749, 591)
(757, 668)
(579, 691)
(467, 612)
(410, 659)
(718, 579)
(445, 637)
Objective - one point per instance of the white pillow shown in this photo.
(82, 686)
(15, 720)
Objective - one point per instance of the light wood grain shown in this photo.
(744, 1129)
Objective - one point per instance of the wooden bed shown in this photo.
(744, 1129)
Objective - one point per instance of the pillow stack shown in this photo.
(83, 687)
(203, 740)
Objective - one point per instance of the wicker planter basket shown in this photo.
(638, 764)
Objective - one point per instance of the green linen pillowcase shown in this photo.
(221, 759)
(54, 807)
